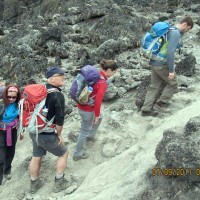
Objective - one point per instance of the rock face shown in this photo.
(186, 66)
(181, 151)
(17, 11)
(77, 31)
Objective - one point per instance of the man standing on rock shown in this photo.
(164, 71)
(51, 141)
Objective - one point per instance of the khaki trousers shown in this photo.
(158, 75)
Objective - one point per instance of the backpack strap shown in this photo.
(21, 108)
(165, 37)
(34, 116)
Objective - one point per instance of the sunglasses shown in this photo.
(11, 97)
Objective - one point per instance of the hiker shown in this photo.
(51, 141)
(164, 71)
(8, 130)
(90, 114)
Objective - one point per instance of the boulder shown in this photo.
(186, 66)
(180, 150)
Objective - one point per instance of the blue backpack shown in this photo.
(81, 87)
(153, 40)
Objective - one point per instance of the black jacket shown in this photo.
(55, 103)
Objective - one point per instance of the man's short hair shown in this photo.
(188, 20)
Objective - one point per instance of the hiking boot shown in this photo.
(7, 176)
(84, 156)
(35, 185)
(161, 106)
(60, 184)
(152, 113)
(91, 139)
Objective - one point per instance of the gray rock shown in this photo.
(111, 92)
(181, 150)
(73, 136)
(135, 84)
(109, 150)
(116, 107)
(186, 66)
(121, 91)
(71, 189)
(79, 38)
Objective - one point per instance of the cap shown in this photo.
(54, 70)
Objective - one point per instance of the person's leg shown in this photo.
(50, 144)
(61, 164)
(60, 182)
(35, 165)
(152, 93)
(36, 181)
(170, 88)
(95, 128)
(2, 153)
(86, 127)
(10, 153)
(2, 158)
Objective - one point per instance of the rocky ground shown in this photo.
(126, 160)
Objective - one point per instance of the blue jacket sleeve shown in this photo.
(174, 38)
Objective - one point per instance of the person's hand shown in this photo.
(21, 136)
(96, 119)
(61, 140)
(171, 76)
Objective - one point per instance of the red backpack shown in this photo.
(32, 109)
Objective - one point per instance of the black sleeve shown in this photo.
(56, 107)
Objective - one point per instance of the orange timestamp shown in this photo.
(175, 171)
